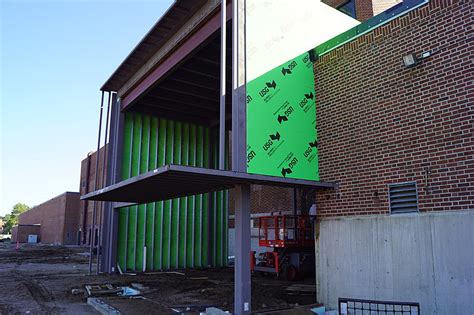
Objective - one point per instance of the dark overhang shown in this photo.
(171, 21)
(190, 91)
(174, 181)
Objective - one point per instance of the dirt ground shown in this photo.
(38, 279)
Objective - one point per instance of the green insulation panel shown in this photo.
(281, 122)
(184, 232)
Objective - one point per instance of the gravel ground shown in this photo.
(38, 279)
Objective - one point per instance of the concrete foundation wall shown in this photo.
(425, 258)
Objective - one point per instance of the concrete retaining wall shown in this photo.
(425, 258)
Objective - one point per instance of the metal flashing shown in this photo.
(367, 26)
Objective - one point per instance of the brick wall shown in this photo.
(380, 123)
(71, 219)
(87, 184)
(364, 8)
(20, 232)
(56, 217)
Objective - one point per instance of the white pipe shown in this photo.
(144, 258)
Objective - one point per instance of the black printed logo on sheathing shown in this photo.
(285, 71)
(268, 85)
(249, 99)
(250, 156)
(276, 136)
(285, 171)
(286, 114)
(269, 143)
(307, 60)
(282, 118)
(271, 84)
(289, 68)
(291, 165)
(308, 153)
(306, 101)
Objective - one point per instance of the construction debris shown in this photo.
(125, 273)
(102, 307)
(165, 272)
(102, 289)
(140, 287)
(191, 309)
(77, 291)
(215, 311)
(301, 289)
(127, 291)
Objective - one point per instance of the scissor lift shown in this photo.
(290, 243)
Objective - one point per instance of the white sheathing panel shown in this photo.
(279, 30)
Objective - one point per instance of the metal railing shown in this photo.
(286, 231)
(348, 306)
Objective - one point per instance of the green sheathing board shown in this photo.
(179, 233)
(281, 122)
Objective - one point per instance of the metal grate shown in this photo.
(403, 197)
(349, 306)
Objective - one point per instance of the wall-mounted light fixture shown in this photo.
(410, 60)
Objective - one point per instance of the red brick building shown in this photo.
(381, 123)
(88, 184)
(20, 233)
(399, 141)
(57, 219)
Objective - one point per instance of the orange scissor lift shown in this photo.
(290, 243)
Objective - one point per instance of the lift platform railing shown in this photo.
(286, 231)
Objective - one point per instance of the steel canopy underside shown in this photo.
(174, 181)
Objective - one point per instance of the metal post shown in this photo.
(94, 209)
(242, 278)
(104, 167)
(223, 85)
(113, 176)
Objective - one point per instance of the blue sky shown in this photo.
(55, 55)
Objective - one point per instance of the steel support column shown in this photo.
(94, 209)
(114, 158)
(223, 85)
(104, 166)
(242, 279)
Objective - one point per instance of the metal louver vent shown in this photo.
(403, 197)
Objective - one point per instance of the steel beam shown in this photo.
(183, 51)
(242, 277)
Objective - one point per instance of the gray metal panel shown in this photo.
(174, 181)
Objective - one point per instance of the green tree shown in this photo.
(10, 220)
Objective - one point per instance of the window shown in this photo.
(348, 8)
(403, 197)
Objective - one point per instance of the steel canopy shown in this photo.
(174, 181)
